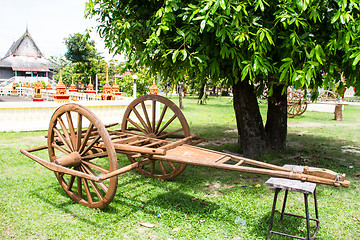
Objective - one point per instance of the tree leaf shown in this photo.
(269, 38)
(245, 72)
(222, 4)
(174, 56)
(184, 53)
(202, 25)
(283, 74)
(356, 60)
(262, 35)
(335, 17)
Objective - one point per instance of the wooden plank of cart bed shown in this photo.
(194, 154)
(132, 149)
(197, 154)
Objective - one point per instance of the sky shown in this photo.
(49, 22)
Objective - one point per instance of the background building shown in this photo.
(24, 61)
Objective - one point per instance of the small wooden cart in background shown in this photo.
(296, 103)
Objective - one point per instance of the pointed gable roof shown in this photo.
(24, 55)
(24, 46)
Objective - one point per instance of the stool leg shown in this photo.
(277, 190)
(284, 204)
(316, 207)
(307, 215)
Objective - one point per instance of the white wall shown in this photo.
(27, 116)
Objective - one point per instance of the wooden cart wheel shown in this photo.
(327, 95)
(77, 139)
(303, 107)
(293, 104)
(303, 103)
(164, 121)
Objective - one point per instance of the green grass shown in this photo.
(201, 203)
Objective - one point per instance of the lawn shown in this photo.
(201, 203)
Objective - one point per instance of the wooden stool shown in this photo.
(306, 188)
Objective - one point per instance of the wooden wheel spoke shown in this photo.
(71, 129)
(95, 155)
(96, 190)
(88, 147)
(79, 186)
(61, 149)
(87, 190)
(62, 138)
(166, 124)
(92, 183)
(171, 165)
(168, 134)
(86, 137)
(161, 118)
(152, 168)
(96, 167)
(66, 133)
(90, 171)
(162, 168)
(153, 115)
(146, 127)
(79, 132)
(137, 126)
(146, 114)
(71, 182)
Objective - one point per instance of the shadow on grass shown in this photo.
(173, 203)
(62, 206)
(187, 209)
(289, 225)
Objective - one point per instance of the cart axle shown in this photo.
(71, 160)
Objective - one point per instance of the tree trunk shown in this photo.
(180, 93)
(276, 123)
(250, 126)
(338, 112)
(202, 94)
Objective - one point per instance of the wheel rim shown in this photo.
(303, 107)
(294, 104)
(327, 95)
(170, 123)
(302, 102)
(74, 129)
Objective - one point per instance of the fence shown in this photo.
(28, 116)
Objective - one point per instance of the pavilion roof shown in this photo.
(24, 46)
(24, 55)
(24, 63)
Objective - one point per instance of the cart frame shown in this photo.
(83, 151)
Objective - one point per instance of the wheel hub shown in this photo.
(151, 135)
(71, 160)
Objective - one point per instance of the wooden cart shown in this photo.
(296, 103)
(156, 139)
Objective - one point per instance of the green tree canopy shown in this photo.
(83, 57)
(80, 48)
(254, 44)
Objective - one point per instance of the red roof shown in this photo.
(27, 69)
